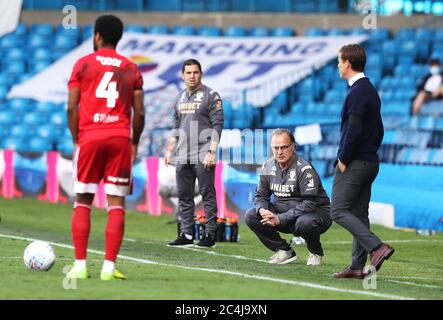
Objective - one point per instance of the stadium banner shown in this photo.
(10, 12)
(257, 68)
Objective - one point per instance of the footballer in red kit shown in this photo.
(105, 89)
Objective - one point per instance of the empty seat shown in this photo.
(235, 31)
(158, 29)
(209, 31)
(282, 32)
(43, 29)
(38, 144)
(135, 28)
(259, 32)
(183, 30)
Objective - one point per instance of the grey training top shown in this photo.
(297, 190)
(198, 120)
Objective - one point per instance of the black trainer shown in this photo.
(181, 241)
(206, 242)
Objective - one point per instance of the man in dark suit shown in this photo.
(357, 163)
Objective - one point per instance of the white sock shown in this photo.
(108, 267)
(80, 264)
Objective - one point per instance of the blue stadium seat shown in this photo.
(62, 42)
(209, 31)
(135, 28)
(58, 119)
(405, 34)
(158, 29)
(33, 119)
(11, 41)
(439, 124)
(235, 31)
(15, 68)
(45, 108)
(3, 92)
(282, 32)
(7, 118)
(315, 32)
(23, 131)
(379, 34)
(20, 105)
(87, 32)
(38, 144)
(66, 146)
(42, 29)
(20, 30)
(183, 30)
(11, 143)
(41, 54)
(15, 54)
(74, 34)
(336, 32)
(38, 41)
(438, 35)
(48, 132)
(438, 157)
(259, 32)
(39, 66)
(358, 31)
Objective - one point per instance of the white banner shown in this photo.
(265, 66)
(9, 15)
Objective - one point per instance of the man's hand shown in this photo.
(269, 218)
(209, 160)
(341, 166)
(134, 149)
(167, 158)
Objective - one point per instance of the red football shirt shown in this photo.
(107, 82)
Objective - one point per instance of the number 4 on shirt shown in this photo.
(107, 89)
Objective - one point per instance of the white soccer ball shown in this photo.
(39, 256)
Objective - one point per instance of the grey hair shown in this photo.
(279, 131)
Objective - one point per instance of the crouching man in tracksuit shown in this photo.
(301, 205)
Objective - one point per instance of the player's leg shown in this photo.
(206, 186)
(117, 178)
(185, 177)
(86, 179)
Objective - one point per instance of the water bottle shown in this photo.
(234, 230)
(228, 230)
(425, 232)
(197, 229)
(220, 231)
(202, 230)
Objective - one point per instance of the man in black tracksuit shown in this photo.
(198, 124)
(301, 205)
(357, 163)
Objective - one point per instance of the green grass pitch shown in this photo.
(228, 272)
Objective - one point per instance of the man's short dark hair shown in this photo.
(356, 55)
(191, 62)
(434, 62)
(279, 131)
(110, 29)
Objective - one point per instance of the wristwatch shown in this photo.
(211, 151)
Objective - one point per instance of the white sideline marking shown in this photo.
(388, 241)
(416, 284)
(223, 254)
(238, 274)
(420, 278)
